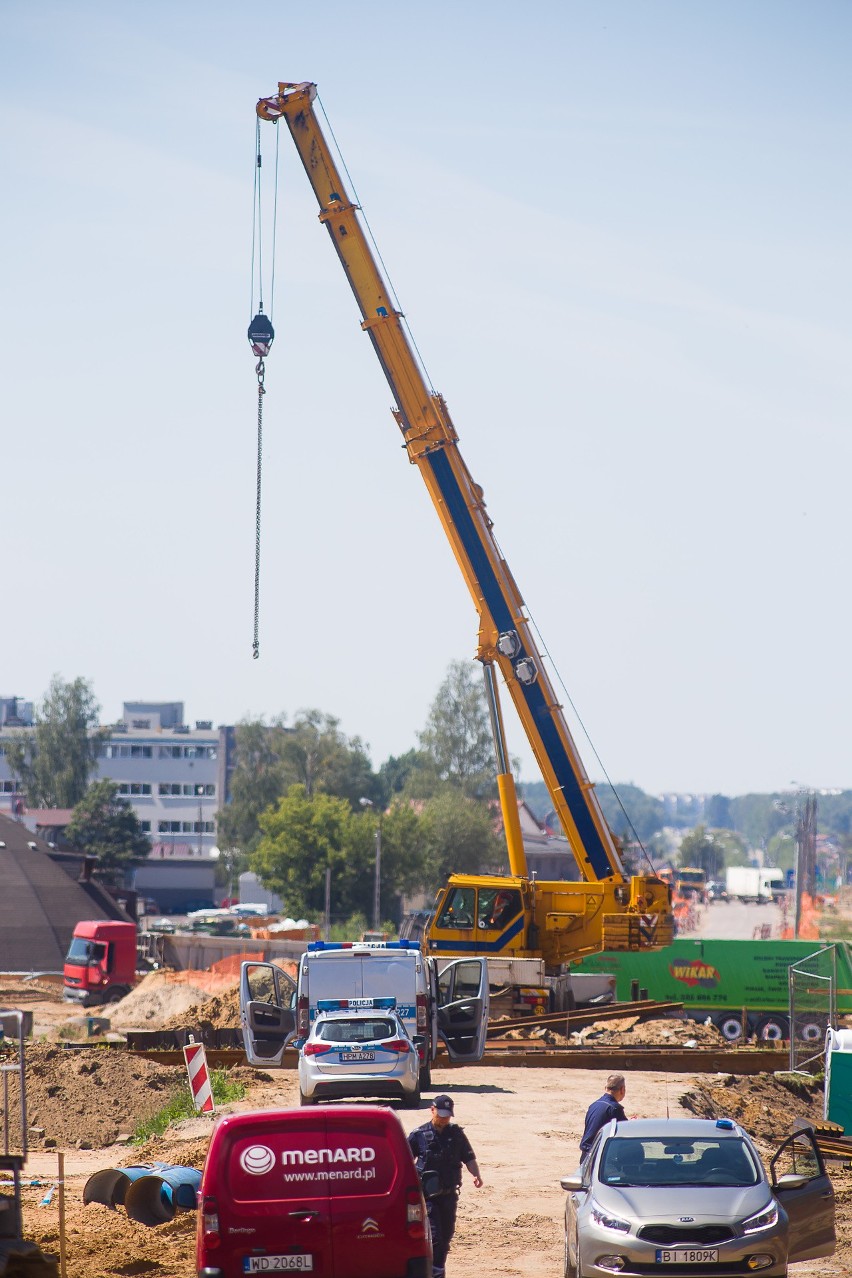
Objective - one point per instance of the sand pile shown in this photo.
(765, 1104)
(626, 1031)
(162, 995)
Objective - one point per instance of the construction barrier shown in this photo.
(199, 1077)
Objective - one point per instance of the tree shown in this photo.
(395, 772)
(316, 754)
(270, 758)
(305, 835)
(302, 837)
(712, 850)
(457, 738)
(257, 783)
(105, 826)
(459, 837)
(57, 759)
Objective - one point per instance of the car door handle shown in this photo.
(302, 1215)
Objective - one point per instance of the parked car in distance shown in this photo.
(330, 1192)
(716, 891)
(358, 1047)
(660, 1195)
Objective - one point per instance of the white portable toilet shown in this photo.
(838, 1078)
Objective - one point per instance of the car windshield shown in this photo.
(357, 1031)
(685, 1161)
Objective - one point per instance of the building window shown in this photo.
(145, 827)
(134, 787)
(142, 725)
(169, 752)
(166, 787)
(168, 827)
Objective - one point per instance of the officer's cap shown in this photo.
(443, 1106)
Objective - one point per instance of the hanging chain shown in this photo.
(261, 391)
(261, 335)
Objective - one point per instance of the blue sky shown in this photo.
(620, 233)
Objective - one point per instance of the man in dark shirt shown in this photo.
(602, 1111)
(439, 1148)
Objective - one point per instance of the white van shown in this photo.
(452, 1006)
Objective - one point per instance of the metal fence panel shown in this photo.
(813, 1009)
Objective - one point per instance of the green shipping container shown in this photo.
(717, 976)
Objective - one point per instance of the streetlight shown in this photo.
(377, 881)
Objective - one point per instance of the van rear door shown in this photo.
(267, 1012)
(274, 1194)
(372, 1229)
(463, 1008)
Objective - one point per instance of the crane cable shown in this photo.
(260, 335)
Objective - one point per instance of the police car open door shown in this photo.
(267, 1012)
(463, 1008)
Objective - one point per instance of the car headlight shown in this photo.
(606, 1220)
(765, 1219)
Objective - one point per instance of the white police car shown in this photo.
(358, 1047)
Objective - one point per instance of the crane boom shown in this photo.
(505, 636)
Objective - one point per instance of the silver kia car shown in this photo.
(690, 1196)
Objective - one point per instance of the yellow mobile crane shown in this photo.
(512, 915)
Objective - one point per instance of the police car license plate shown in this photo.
(300, 1263)
(357, 1056)
(688, 1256)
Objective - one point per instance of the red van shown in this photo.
(330, 1192)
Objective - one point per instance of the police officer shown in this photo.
(440, 1147)
(602, 1111)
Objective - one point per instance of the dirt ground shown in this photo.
(524, 1124)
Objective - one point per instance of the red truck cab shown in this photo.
(100, 966)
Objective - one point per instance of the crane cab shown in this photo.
(482, 914)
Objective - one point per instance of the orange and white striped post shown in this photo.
(199, 1077)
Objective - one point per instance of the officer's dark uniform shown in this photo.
(441, 1150)
(599, 1113)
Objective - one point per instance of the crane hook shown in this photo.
(261, 334)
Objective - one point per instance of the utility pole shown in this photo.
(806, 829)
(326, 923)
(377, 885)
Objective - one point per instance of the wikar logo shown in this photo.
(257, 1160)
(695, 973)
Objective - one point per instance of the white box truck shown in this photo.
(450, 1005)
(753, 883)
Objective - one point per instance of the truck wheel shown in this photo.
(117, 993)
(730, 1025)
(811, 1032)
(773, 1029)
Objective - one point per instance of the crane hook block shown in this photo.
(261, 335)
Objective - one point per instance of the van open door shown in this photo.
(463, 1008)
(267, 1012)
